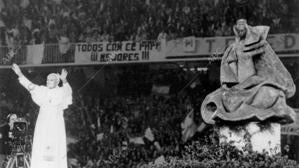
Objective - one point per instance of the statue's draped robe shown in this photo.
(257, 83)
(49, 142)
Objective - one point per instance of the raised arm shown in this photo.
(63, 76)
(22, 79)
(67, 90)
(65, 83)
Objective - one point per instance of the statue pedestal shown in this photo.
(266, 139)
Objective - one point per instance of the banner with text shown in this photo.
(191, 48)
(119, 52)
(183, 49)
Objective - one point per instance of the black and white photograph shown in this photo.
(149, 83)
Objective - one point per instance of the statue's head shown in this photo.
(52, 80)
(240, 28)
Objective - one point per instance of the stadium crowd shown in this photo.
(131, 127)
(133, 122)
(43, 21)
(139, 124)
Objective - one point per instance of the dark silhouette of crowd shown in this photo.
(53, 21)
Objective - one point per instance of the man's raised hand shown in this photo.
(17, 69)
(63, 75)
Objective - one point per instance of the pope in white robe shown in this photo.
(49, 142)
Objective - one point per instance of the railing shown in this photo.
(16, 55)
(51, 55)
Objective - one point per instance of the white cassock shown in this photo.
(49, 142)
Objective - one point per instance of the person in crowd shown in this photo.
(49, 142)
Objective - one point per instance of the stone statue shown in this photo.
(254, 82)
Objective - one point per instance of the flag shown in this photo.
(157, 145)
(201, 127)
(149, 134)
(188, 126)
(35, 53)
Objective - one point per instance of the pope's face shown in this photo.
(52, 81)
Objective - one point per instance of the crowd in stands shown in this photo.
(132, 122)
(132, 127)
(53, 21)
(99, 128)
